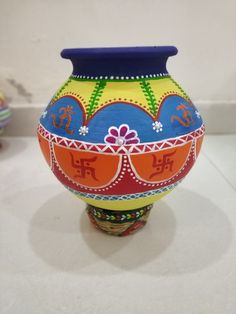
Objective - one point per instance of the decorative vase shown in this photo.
(4, 113)
(120, 133)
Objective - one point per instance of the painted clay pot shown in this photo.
(4, 113)
(120, 133)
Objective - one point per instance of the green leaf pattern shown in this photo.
(94, 98)
(149, 95)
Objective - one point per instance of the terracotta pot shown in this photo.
(5, 113)
(120, 133)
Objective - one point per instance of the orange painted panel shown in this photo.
(198, 145)
(87, 168)
(161, 165)
(44, 144)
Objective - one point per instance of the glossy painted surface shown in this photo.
(121, 142)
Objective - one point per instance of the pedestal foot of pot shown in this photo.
(118, 223)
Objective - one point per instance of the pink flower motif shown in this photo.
(121, 136)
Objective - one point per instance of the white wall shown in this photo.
(32, 34)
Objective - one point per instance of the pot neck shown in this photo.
(123, 62)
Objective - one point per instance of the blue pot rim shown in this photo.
(119, 52)
(119, 61)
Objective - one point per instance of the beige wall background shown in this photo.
(32, 34)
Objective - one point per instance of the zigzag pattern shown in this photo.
(126, 149)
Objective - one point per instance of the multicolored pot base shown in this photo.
(118, 223)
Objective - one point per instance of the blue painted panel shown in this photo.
(69, 129)
(176, 115)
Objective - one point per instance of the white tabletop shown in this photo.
(53, 261)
